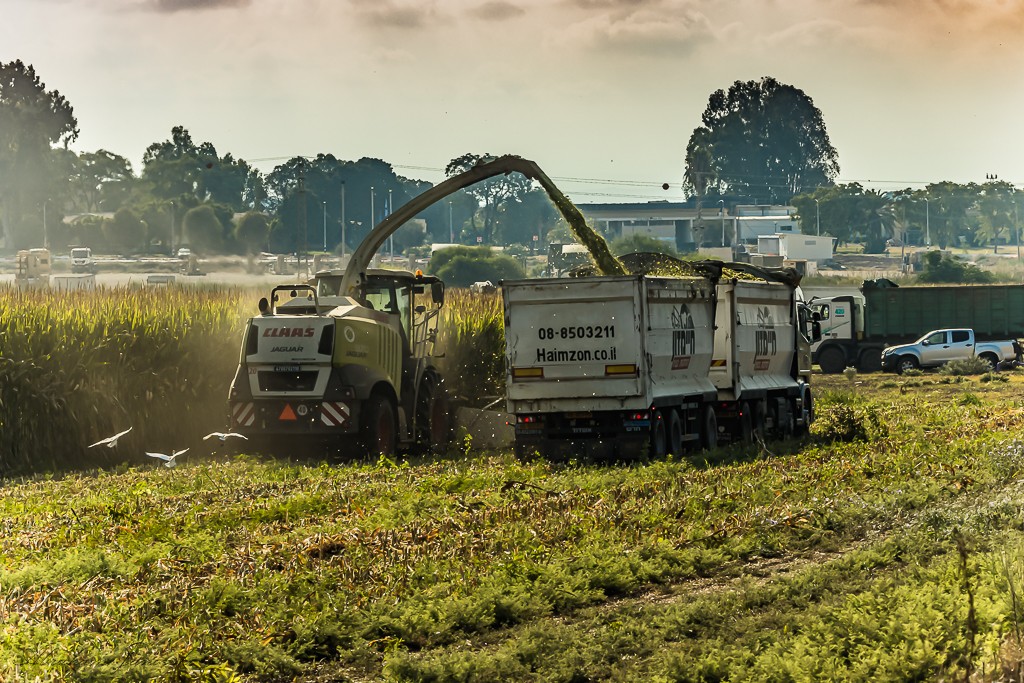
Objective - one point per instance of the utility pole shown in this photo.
(342, 223)
(302, 225)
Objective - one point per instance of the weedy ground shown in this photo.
(888, 546)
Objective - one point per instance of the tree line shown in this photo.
(759, 141)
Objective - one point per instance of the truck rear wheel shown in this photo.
(709, 429)
(870, 361)
(675, 433)
(379, 429)
(746, 423)
(659, 437)
(832, 360)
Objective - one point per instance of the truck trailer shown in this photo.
(855, 328)
(620, 367)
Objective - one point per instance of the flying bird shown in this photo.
(224, 436)
(111, 441)
(169, 460)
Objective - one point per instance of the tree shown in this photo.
(125, 232)
(32, 119)
(491, 194)
(763, 139)
(100, 180)
(939, 267)
(462, 266)
(203, 230)
(848, 212)
(252, 232)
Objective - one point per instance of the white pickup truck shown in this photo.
(939, 347)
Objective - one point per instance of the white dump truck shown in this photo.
(625, 366)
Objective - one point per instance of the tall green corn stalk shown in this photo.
(472, 336)
(76, 367)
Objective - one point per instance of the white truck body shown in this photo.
(81, 260)
(606, 343)
(939, 347)
(600, 365)
(755, 339)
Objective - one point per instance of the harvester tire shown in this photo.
(379, 427)
(432, 419)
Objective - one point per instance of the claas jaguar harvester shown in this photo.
(637, 365)
(351, 356)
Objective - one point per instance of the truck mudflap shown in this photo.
(294, 417)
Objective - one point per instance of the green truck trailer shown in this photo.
(856, 327)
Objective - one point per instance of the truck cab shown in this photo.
(81, 260)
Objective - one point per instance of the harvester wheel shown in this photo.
(379, 430)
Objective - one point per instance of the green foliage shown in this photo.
(845, 419)
(762, 139)
(124, 233)
(202, 230)
(944, 267)
(252, 232)
(462, 266)
(965, 366)
(642, 244)
(831, 561)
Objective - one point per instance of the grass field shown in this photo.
(889, 546)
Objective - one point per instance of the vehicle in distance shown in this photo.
(81, 260)
(939, 347)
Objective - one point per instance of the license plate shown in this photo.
(287, 368)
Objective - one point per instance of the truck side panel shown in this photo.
(609, 343)
(755, 338)
(905, 313)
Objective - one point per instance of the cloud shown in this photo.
(391, 14)
(189, 5)
(498, 10)
(641, 26)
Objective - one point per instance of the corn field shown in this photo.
(76, 367)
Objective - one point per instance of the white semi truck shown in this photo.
(625, 366)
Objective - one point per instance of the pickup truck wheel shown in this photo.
(675, 433)
(832, 360)
(906, 363)
(990, 358)
(379, 429)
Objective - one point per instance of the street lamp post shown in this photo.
(817, 217)
(391, 237)
(325, 225)
(927, 223)
(372, 217)
(721, 214)
(46, 232)
(451, 229)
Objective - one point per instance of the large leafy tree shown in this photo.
(32, 120)
(100, 181)
(179, 167)
(848, 212)
(762, 139)
(491, 194)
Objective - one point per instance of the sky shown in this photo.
(603, 94)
